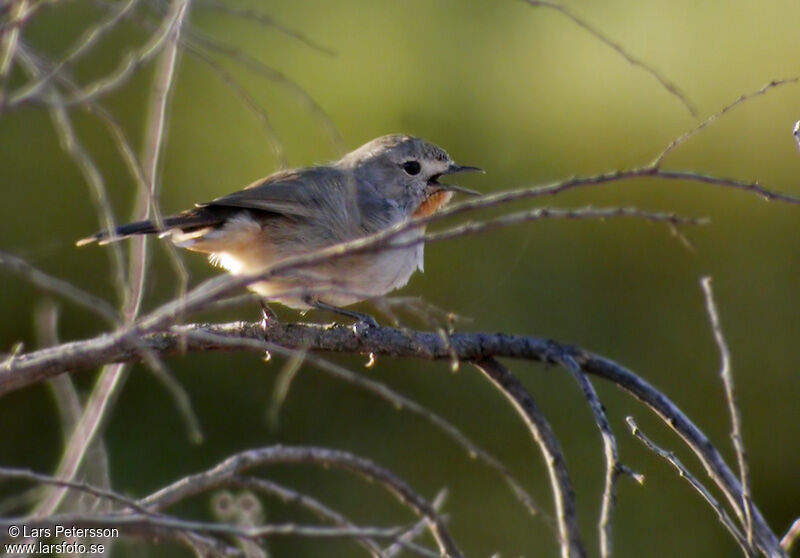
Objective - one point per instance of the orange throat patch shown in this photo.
(433, 203)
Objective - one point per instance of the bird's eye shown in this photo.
(412, 167)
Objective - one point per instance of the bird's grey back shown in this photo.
(314, 207)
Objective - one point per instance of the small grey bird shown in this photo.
(387, 181)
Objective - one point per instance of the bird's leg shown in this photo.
(359, 316)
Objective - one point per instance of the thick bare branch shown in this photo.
(28, 368)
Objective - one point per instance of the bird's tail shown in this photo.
(190, 220)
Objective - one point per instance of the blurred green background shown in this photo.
(530, 97)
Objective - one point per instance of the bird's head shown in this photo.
(407, 169)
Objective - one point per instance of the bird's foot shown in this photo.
(360, 317)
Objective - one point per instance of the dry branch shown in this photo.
(693, 481)
(235, 465)
(28, 368)
(60, 287)
(156, 336)
(569, 534)
(745, 510)
(614, 468)
(665, 83)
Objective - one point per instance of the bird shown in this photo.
(387, 181)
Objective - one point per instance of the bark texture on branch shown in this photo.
(28, 368)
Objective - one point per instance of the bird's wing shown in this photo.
(324, 195)
(297, 193)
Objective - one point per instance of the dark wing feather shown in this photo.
(290, 193)
(317, 192)
(187, 220)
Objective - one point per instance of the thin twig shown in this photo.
(38, 478)
(791, 535)
(103, 394)
(151, 156)
(218, 287)
(60, 287)
(282, 384)
(26, 17)
(543, 213)
(695, 483)
(680, 140)
(70, 143)
(237, 464)
(668, 85)
(244, 96)
(109, 121)
(407, 538)
(563, 494)
(70, 409)
(614, 467)
(179, 395)
(397, 400)
(191, 539)
(137, 174)
(68, 403)
(288, 495)
(266, 20)
(198, 39)
(132, 164)
(132, 61)
(84, 44)
(83, 436)
(730, 396)
(695, 439)
(88, 425)
(9, 40)
(155, 134)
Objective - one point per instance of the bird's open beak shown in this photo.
(453, 169)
